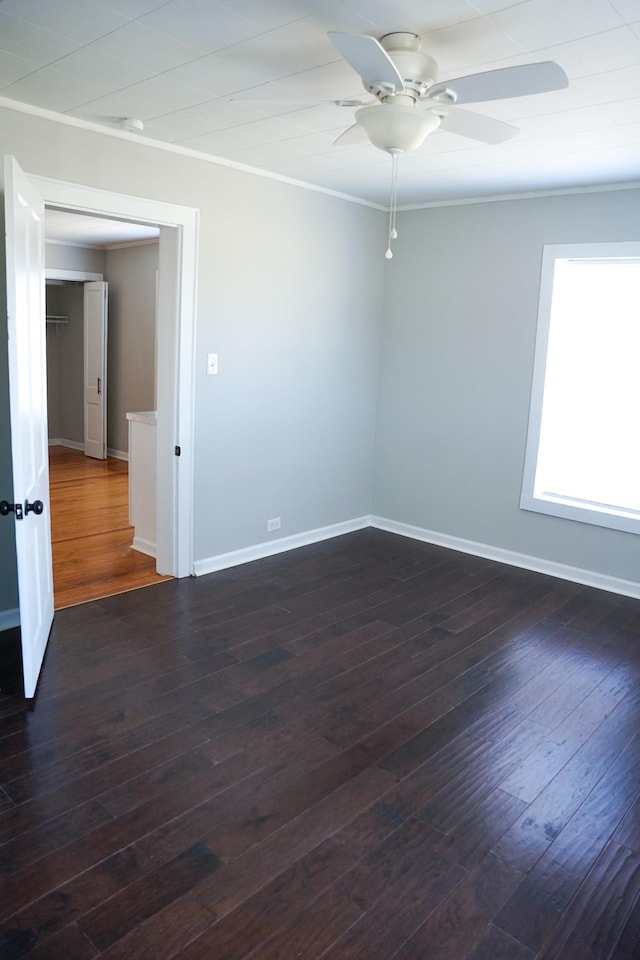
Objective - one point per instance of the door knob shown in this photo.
(6, 508)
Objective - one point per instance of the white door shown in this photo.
(24, 225)
(95, 369)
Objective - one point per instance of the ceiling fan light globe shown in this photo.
(396, 128)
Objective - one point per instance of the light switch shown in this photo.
(212, 364)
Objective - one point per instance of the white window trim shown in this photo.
(612, 518)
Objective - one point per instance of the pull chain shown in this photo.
(393, 202)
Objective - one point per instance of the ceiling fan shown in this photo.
(409, 103)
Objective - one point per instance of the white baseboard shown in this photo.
(117, 454)
(144, 546)
(76, 445)
(71, 444)
(589, 578)
(9, 619)
(601, 581)
(271, 547)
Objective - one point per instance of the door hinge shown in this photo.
(176, 450)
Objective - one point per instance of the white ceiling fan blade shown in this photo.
(507, 82)
(477, 127)
(354, 135)
(367, 57)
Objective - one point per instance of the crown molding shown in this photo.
(73, 243)
(123, 244)
(174, 148)
(120, 244)
(93, 127)
(524, 195)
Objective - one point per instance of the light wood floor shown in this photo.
(92, 555)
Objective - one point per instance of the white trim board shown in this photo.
(178, 245)
(176, 148)
(281, 178)
(524, 195)
(271, 547)
(131, 243)
(72, 243)
(144, 546)
(74, 445)
(589, 578)
(61, 442)
(50, 273)
(563, 571)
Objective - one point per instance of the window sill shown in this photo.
(609, 517)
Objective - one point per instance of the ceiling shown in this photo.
(177, 64)
(77, 229)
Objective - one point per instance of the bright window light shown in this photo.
(583, 454)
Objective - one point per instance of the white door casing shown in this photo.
(95, 369)
(24, 224)
(176, 345)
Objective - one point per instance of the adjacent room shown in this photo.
(98, 545)
(379, 695)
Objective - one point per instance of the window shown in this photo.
(583, 448)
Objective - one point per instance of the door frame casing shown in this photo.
(95, 346)
(176, 351)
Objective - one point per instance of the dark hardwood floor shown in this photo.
(370, 748)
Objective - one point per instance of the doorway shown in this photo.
(177, 261)
(91, 523)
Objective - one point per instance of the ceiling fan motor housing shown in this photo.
(418, 70)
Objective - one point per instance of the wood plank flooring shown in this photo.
(368, 748)
(92, 555)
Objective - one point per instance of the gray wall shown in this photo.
(65, 363)
(65, 357)
(66, 256)
(131, 274)
(290, 296)
(457, 362)
(287, 427)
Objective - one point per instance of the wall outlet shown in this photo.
(273, 524)
(212, 364)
